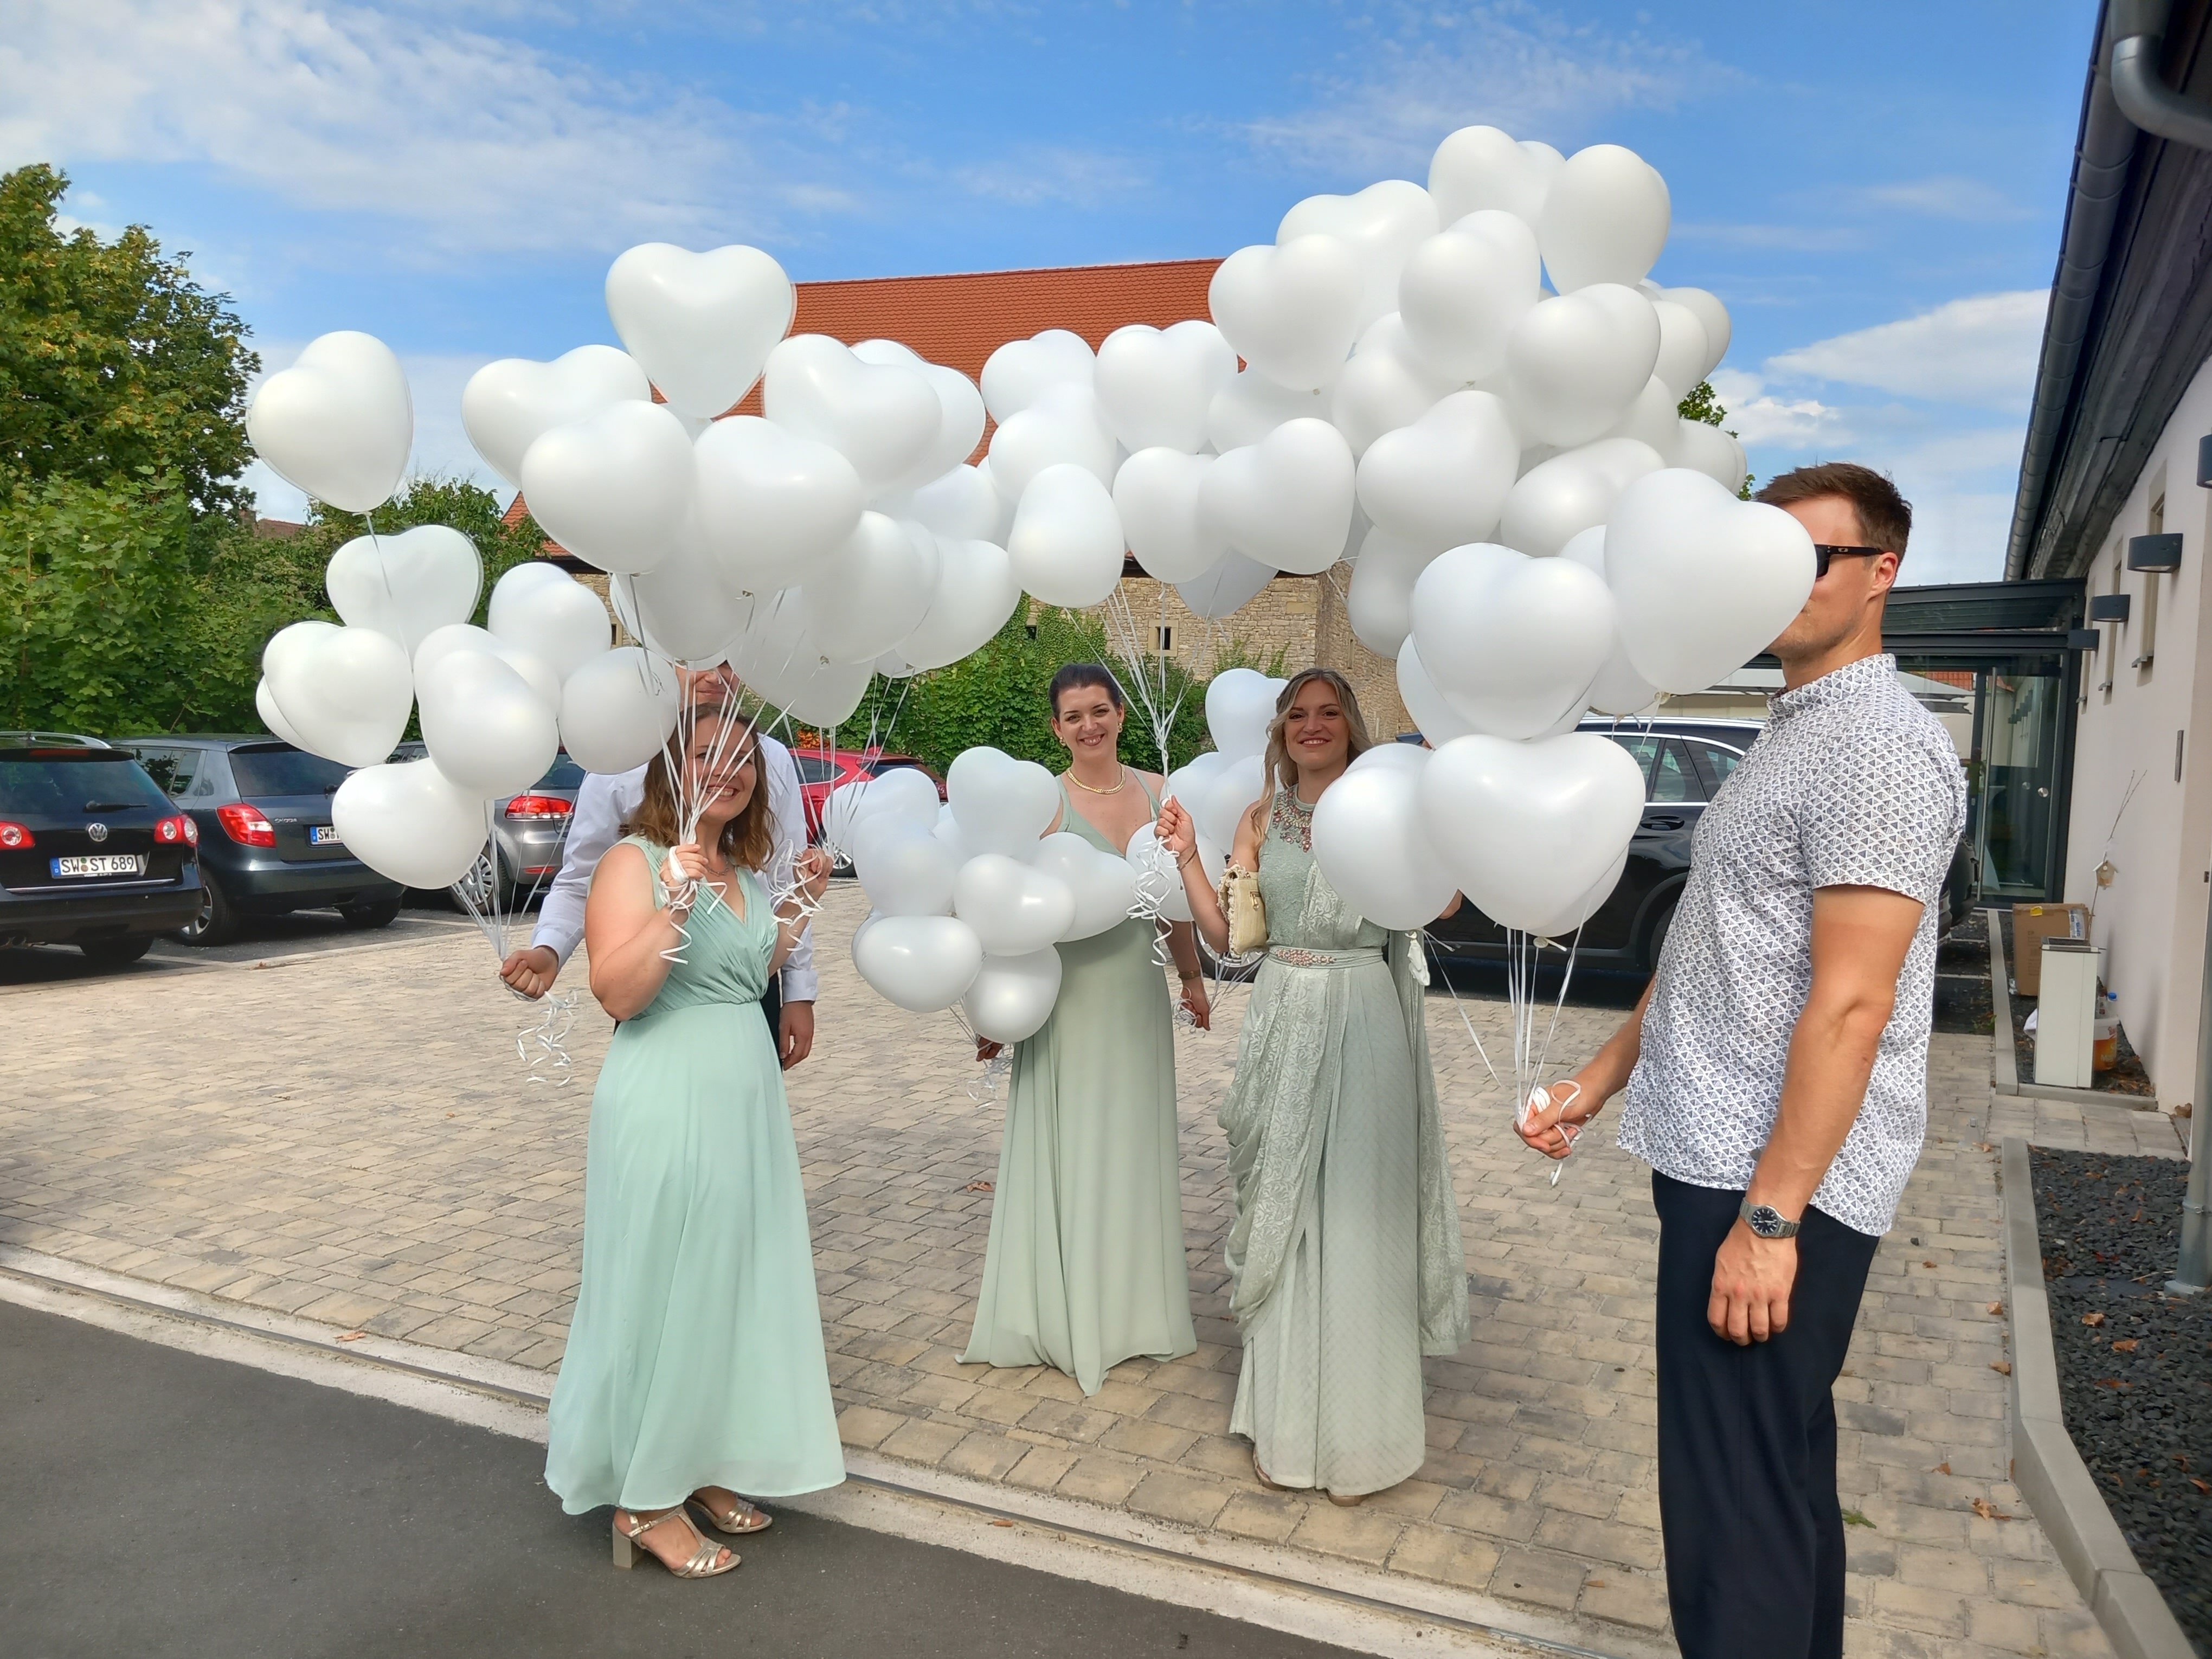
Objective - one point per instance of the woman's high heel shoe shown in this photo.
(701, 1564)
(740, 1518)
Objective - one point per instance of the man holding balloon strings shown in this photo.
(604, 804)
(1777, 1079)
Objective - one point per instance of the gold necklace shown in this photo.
(1091, 789)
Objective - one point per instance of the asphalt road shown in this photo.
(260, 938)
(155, 1501)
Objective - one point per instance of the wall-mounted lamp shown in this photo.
(2156, 553)
(2083, 639)
(2108, 607)
(2204, 462)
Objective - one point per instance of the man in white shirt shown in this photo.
(602, 805)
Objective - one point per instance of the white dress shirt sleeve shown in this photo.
(602, 803)
(787, 805)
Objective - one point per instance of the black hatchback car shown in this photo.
(263, 810)
(92, 853)
(1685, 760)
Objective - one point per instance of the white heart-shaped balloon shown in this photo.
(1574, 364)
(507, 405)
(883, 418)
(959, 410)
(1187, 781)
(1442, 480)
(1558, 499)
(1563, 922)
(963, 503)
(1605, 219)
(904, 869)
(976, 593)
(700, 324)
(682, 607)
(1653, 420)
(408, 584)
(540, 608)
(1013, 996)
(1018, 372)
(339, 423)
(1463, 288)
(536, 673)
(1013, 906)
(1251, 406)
(1682, 346)
(1711, 314)
(1513, 641)
(1379, 603)
(1002, 805)
(1702, 580)
(1381, 224)
(1232, 583)
(1527, 829)
(1240, 706)
(861, 599)
(409, 822)
(1065, 546)
(489, 733)
(1156, 385)
(265, 704)
(1285, 502)
(613, 488)
(345, 692)
(1709, 450)
(1220, 809)
(772, 504)
(1102, 885)
(923, 963)
(1291, 310)
(1389, 383)
(948, 831)
(1156, 493)
(1480, 168)
(783, 665)
(1370, 842)
(1063, 425)
(1432, 714)
(1618, 688)
(901, 795)
(617, 709)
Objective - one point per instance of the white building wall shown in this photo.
(2151, 918)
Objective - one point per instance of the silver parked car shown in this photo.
(529, 833)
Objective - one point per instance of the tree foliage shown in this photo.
(431, 498)
(1704, 404)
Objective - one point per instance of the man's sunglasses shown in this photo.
(1824, 552)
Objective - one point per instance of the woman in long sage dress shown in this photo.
(1085, 1265)
(695, 1368)
(1345, 1255)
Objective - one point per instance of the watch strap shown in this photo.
(1753, 1216)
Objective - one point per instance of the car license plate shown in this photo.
(101, 864)
(323, 834)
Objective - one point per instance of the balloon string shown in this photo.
(541, 1047)
(1484, 1054)
(984, 1086)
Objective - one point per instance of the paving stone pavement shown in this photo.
(353, 1139)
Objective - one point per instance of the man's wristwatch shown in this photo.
(1765, 1220)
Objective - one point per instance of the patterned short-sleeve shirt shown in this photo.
(1852, 784)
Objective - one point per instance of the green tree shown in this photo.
(432, 498)
(113, 363)
(1704, 404)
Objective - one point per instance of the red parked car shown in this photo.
(820, 772)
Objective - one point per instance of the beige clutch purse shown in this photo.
(1240, 906)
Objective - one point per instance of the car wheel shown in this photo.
(375, 913)
(216, 923)
(1656, 942)
(116, 952)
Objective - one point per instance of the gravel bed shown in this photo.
(1962, 979)
(2135, 1365)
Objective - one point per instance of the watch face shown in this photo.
(1767, 1221)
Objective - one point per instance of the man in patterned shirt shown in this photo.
(1776, 1075)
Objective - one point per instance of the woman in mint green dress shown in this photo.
(695, 1368)
(1085, 1265)
(1345, 1257)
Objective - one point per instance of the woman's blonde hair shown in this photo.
(1281, 771)
(749, 839)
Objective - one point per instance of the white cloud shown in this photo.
(1945, 196)
(480, 141)
(1507, 65)
(1759, 417)
(1083, 178)
(1981, 349)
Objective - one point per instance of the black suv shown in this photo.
(92, 853)
(263, 810)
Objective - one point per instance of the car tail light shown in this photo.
(15, 837)
(539, 808)
(245, 824)
(171, 830)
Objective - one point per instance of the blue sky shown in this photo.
(1874, 188)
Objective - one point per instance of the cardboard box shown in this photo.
(2032, 924)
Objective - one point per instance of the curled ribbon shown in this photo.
(542, 1047)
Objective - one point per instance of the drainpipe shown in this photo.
(2138, 34)
(2196, 1233)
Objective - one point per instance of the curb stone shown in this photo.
(2046, 1467)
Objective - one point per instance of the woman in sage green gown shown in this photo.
(1085, 1265)
(1345, 1256)
(695, 1368)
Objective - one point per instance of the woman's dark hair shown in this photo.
(1074, 677)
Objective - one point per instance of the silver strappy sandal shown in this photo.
(701, 1564)
(740, 1518)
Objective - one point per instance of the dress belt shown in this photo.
(1296, 956)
